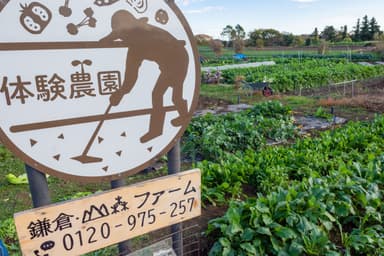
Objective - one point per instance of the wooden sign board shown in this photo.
(84, 225)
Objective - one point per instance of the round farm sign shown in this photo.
(95, 89)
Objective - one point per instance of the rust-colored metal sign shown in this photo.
(84, 225)
(93, 90)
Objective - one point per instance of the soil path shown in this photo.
(244, 65)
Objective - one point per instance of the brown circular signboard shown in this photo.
(93, 90)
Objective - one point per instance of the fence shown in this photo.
(348, 89)
(160, 243)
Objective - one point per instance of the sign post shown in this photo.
(124, 247)
(38, 186)
(174, 165)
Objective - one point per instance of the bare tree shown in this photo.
(323, 47)
(216, 46)
(238, 45)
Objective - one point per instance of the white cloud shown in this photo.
(187, 2)
(304, 1)
(205, 9)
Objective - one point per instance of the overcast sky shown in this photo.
(294, 16)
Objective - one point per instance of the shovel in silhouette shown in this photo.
(84, 157)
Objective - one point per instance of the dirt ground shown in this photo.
(354, 101)
(208, 103)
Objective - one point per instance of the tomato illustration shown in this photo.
(35, 17)
(162, 17)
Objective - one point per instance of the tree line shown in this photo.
(366, 29)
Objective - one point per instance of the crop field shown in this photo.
(317, 196)
(268, 186)
(293, 74)
(320, 194)
(253, 55)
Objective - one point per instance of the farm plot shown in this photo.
(318, 196)
(291, 75)
(209, 59)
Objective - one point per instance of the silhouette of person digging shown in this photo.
(147, 42)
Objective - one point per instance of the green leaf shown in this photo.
(285, 233)
(228, 252)
(17, 180)
(342, 209)
(225, 185)
(216, 250)
(283, 253)
(234, 213)
(332, 253)
(247, 235)
(225, 242)
(256, 243)
(262, 208)
(264, 231)
(267, 219)
(304, 225)
(327, 224)
(292, 220)
(330, 217)
(276, 244)
(248, 248)
(235, 228)
(295, 249)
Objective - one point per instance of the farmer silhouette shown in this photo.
(147, 42)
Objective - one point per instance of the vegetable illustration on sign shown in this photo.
(162, 17)
(35, 17)
(65, 10)
(89, 20)
(109, 95)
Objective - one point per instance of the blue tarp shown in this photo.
(239, 56)
(3, 249)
